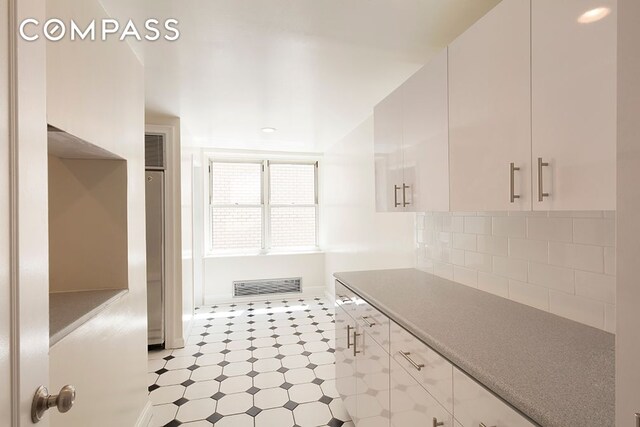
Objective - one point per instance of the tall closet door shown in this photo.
(574, 103)
(388, 153)
(490, 111)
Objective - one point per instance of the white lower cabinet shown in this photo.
(346, 362)
(475, 406)
(412, 405)
(372, 373)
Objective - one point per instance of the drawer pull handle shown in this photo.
(512, 192)
(637, 419)
(348, 336)
(367, 322)
(483, 425)
(541, 193)
(395, 196)
(437, 423)
(355, 337)
(406, 355)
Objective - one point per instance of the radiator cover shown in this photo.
(244, 288)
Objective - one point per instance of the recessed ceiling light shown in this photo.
(594, 15)
(269, 130)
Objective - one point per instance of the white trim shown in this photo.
(309, 291)
(145, 416)
(174, 327)
(329, 296)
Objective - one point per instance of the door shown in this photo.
(24, 331)
(372, 369)
(387, 135)
(490, 111)
(411, 405)
(426, 137)
(345, 361)
(573, 86)
(154, 200)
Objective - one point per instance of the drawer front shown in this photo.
(475, 406)
(430, 370)
(373, 322)
(345, 298)
(411, 405)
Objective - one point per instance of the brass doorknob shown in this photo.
(43, 401)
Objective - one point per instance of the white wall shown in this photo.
(561, 262)
(5, 299)
(95, 91)
(628, 206)
(353, 235)
(220, 272)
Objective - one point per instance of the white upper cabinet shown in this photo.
(573, 46)
(490, 112)
(387, 128)
(426, 137)
(411, 143)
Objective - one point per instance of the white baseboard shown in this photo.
(145, 416)
(310, 291)
(330, 296)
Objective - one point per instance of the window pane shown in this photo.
(236, 228)
(236, 183)
(292, 184)
(293, 227)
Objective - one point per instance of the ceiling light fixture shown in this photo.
(594, 15)
(269, 130)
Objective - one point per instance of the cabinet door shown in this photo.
(387, 138)
(411, 405)
(490, 111)
(574, 103)
(426, 137)
(345, 361)
(474, 405)
(373, 387)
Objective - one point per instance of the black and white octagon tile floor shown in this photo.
(267, 363)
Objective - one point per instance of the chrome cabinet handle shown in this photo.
(637, 419)
(404, 195)
(43, 401)
(348, 336)
(406, 355)
(541, 193)
(512, 191)
(483, 425)
(367, 322)
(355, 350)
(395, 196)
(437, 423)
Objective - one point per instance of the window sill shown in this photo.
(261, 254)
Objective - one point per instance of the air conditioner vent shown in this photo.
(154, 151)
(245, 288)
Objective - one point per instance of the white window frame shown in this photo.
(265, 206)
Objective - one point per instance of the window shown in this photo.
(260, 206)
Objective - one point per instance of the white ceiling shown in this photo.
(313, 69)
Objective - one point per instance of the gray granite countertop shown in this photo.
(558, 372)
(69, 310)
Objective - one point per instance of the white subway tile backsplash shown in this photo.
(511, 268)
(509, 226)
(494, 245)
(577, 308)
(596, 286)
(477, 224)
(464, 241)
(526, 293)
(530, 250)
(594, 231)
(552, 277)
(610, 261)
(493, 284)
(579, 257)
(551, 229)
(478, 261)
(562, 262)
(465, 276)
